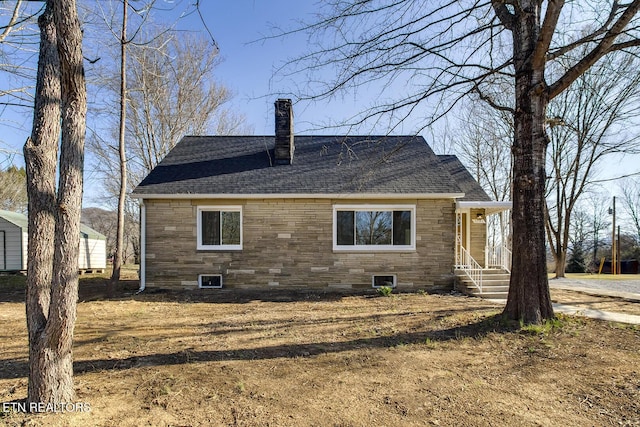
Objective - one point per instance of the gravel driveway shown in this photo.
(629, 286)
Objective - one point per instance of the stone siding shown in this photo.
(288, 243)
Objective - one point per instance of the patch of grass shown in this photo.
(544, 328)
(430, 344)
(623, 326)
(12, 282)
(384, 291)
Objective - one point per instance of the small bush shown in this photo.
(384, 291)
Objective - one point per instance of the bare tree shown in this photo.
(484, 145)
(597, 205)
(54, 216)
(630, 188)
(13, 21)
(578, 237)
(141, 11)
(16, 36)
(172, 93)
(124, 42)
(447, 50)
(122, 155)
(13, 189)
(587, 125)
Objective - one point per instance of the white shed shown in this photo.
(13, 244)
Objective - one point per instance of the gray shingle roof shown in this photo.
(321, 165)
(471, 188)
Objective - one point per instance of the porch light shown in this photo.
(479, 219)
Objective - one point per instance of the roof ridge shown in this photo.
(323, 164)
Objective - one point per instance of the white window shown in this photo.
(219, 228)
(374, 227)
(210, 281)
(380, 280)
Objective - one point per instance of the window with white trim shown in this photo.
(219, 228)
(374, 227)
(380, 280)
(213, 281)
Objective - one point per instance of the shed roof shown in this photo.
(322, 165)
(20, 220)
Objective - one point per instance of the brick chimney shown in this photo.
(284, 147)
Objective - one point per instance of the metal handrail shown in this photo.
(499, 256)
(506, 258)
(470, 267)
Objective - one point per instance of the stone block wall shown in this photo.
(288, 243)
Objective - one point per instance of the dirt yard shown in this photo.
(306, 359)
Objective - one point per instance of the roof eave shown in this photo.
(489, 206)
(368, 196)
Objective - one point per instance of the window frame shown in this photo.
(221, 247)
(394, 283)
(200, 276)
(371, 208)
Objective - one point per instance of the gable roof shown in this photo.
(15, 218)
(200, 166)
(21, 221)
(467, 183)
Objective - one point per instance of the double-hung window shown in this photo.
(374, 227)
(219, 228)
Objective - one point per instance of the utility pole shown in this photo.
(618, 257)
(613, 241)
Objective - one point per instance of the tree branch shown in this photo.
(554, 7)
(502, 12)
(490, 100)
(587, 38)
(598, 52)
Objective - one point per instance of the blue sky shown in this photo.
(248, 67)
(248, 61)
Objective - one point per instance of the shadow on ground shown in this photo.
(496, 323)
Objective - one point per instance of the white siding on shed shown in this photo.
(14, 246)
(93, 254)
(14, 240)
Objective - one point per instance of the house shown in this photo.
(13, 245)
(323, 212)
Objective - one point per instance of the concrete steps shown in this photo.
(495, 284)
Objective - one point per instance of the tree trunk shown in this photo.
(40, 154)
(529, 299)
(561, 263)
(118, 256)
(53, 288)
